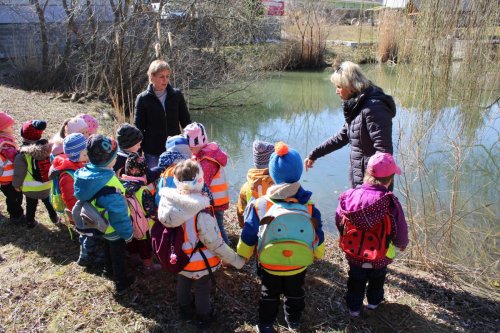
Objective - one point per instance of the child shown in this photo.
(134, 181)
(362, 211)
(31, 170)
(98, 180)
(69, 126)
(63, 168)
(212, 160)
(258, 179)
(287, 273)
(8, 151)
(129, 140)
(92, 123)
(185, 206)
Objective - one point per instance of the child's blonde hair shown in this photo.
(156, 67)
(384, 181)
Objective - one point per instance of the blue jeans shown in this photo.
(219, 216)
(356, 286)
(90, 249)
(152, 160)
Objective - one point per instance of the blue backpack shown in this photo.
(287, 237)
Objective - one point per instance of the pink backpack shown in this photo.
(139, 221)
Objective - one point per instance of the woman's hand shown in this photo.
(308, 163)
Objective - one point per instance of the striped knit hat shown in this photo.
(73, 145)
(262, 151)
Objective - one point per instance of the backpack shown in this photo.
(55, 192)
(88, 220)
(140, 223)
(167, 245)
(366, 245)
(287, 236)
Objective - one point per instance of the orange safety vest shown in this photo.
(219, 187)
(191, 238)
(8, 170)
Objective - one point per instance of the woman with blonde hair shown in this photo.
(368, 114)
(160, 112)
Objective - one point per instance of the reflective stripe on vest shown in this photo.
(29, 183)
(190, 240)
(8, 170)
(219, 187)
(113, 182)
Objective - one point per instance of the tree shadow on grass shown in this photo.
(458, 306)
(51, 241)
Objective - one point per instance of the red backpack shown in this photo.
(366, 245)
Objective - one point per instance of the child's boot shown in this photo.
(149, 267)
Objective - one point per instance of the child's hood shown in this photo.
(176, 208)
(365, 206)
(289, 190)
(90, 179)
(259, 177)
(39, 151)
(62, 163)
(213, 151)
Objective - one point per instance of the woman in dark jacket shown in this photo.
(160, 112)
(368, 113)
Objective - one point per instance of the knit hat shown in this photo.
(179, 144)
(92, 123)
(76, 125)
(382, 165)
(136, 165)
(168, 158)
(32, 130)
(73, 145)
(128, 136)
(101, 149)
(261, 153)
(5, 121)
(285, 164)
(196, 135)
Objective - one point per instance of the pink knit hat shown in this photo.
(196, 135)
(92, 123)
(382, 165)
(5, 121)
(76, 125)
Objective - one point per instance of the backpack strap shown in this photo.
(199, 246)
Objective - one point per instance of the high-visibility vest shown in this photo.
(8, 170)
(219, 187)
(191, 238)
(113, 182)
(29, 183)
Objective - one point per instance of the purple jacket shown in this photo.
(366, 205)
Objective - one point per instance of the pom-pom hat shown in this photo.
(382, 165)
(73, 145)
(285, 164)
(5, 121)
(76, 125)
(32, 130)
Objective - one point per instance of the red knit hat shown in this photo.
(5, 121)
(32, 130)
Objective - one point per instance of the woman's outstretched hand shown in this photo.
(308, 163)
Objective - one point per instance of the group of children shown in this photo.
(188, 189)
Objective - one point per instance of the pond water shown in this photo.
(302, 109)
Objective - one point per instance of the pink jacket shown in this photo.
(209, 167)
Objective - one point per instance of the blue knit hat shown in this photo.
(73, 145)
(285, 165)
(179, 144)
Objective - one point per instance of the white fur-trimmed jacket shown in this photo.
(176, 208)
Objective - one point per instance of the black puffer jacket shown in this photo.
(368, 129)
(158, 123)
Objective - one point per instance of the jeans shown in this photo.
(201, 293)
(273, 286)
(356, 285)
(90, 249)
(14, 200)
(151, 160)
(219, 216)
(31, 208)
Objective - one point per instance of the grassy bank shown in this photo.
(42, 288)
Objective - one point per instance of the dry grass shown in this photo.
(42, 288)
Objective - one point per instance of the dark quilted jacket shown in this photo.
(157, 123)
(369, 131)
